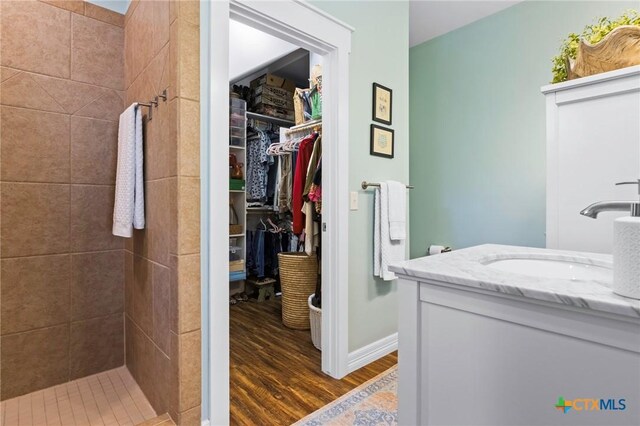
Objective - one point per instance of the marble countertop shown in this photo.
(467, 267)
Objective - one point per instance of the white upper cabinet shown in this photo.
(593, 141)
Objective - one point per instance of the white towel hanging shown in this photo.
(128, 209)
(397, 210)
(385, 250)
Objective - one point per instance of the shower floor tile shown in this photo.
(109, 398)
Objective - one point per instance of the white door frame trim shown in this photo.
(302, 24)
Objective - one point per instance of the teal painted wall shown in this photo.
(477, 124)
(380, 53)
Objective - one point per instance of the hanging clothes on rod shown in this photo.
(258, 163)
(299, 181)
(311, 227)
(315, 191)
(285, 183)
(263, 245)
(287, 152)
(290, 178)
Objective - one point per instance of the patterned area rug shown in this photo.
(373, 403)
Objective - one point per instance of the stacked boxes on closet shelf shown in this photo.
(273, 96)
(237, 199)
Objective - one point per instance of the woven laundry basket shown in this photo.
(315, 318)
(298, 278)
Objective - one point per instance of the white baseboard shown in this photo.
(205, 423)
(372, 352)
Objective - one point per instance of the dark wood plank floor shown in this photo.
(275, 372)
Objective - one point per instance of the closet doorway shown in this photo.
(319, 34)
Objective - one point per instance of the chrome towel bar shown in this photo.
(366, 185)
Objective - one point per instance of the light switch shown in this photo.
(354, 200)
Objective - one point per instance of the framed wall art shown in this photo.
(381, 141)
(382, 104)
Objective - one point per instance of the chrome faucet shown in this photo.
(632, 207)
(595, 209)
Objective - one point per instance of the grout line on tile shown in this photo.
(137, 395)
(128, 404)
(24, 410)
(84, 117)
(90, 406)
(18, 72)
(34, 110)
(63, 253)
(71, 45)
(35, 329)
(12, 407)
(102, 21)
(37, 409)
(106, 414)
(76, 321)
(30, 72)
(146, 335)
(52, 97)
(51, 407)
(108, 398)
(154, 262)
(77, 406)
(124, 377)
(114, 401)
(4, 181)
(64, 405)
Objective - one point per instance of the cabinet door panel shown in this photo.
(598, 145)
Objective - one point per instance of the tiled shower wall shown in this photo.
(62, 272)
(162, 262)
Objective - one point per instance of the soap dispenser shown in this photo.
(626, 251)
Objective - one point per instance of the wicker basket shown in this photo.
(298, 278)
(315, 318)
(235, 229)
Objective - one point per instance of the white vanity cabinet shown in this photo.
(593, 141)
(483, 347)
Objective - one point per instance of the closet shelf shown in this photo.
(236, 235)
(257, 210)
(236, 147)
(274, 120)
(237, 190)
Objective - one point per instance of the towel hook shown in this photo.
(163, 95)
(148, 105)
(154, 103)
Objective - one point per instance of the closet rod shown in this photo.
(305, 126)
(366, 185)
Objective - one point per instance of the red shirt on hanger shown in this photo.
(299, 178)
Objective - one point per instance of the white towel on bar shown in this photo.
(385, 251)
(397, 210)
(128, 209)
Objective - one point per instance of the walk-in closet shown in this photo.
(275, 210)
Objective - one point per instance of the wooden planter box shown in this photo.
(618, 49)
